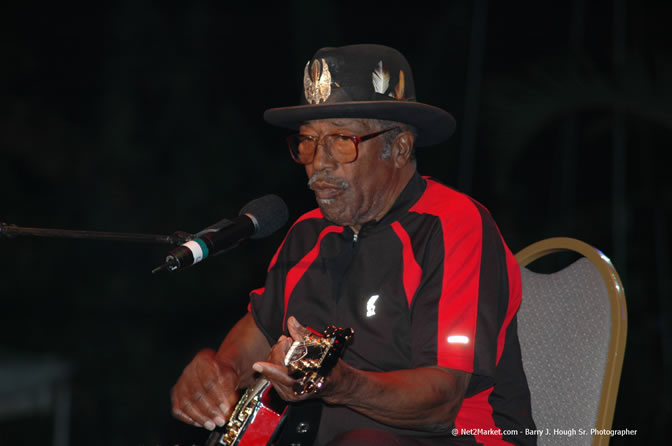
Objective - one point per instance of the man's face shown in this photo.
(354, 193)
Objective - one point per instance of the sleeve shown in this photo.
(457, 311)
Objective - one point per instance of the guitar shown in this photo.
(259, 414)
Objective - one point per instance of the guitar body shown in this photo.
(254, 427)
(265, 425)
(258, 418)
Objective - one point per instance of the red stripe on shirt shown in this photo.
(476, 413)
(315, 213)
(458, 303)
(298, 270)
(259, 291)
(458, 306)
(411, 270)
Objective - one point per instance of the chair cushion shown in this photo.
(564, 327)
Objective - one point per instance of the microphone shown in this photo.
(257, 219)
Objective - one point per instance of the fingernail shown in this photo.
(197, 425)
(224, 408)
(209, 425)
(219, 421)
(257, 368)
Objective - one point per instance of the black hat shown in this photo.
(363, 81)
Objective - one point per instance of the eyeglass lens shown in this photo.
(341, 148)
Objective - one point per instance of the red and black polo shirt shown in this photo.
(431, 283)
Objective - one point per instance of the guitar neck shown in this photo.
(259, 386)
(252, 392)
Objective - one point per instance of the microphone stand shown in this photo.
(177, 238)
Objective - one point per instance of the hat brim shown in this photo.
(434, 124)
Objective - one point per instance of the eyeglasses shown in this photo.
(342, 148)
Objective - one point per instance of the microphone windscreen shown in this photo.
(270, 212)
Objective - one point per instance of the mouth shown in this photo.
(326, 192)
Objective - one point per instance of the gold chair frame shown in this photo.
(619, 318)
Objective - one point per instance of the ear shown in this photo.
(402, 148)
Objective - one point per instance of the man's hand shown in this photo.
(274, 368)
(206, 392)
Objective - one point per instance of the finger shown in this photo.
(279, 351)
(221, 389)
(287, 393)
(296, 330)
(282, 383)
(178, 413)
(211, 398)
(209, 408)
(225, 401)
(196, 395)
(186, 411)
(274, 373)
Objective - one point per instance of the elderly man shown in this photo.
(419, 271)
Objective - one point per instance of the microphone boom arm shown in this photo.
(176, 238)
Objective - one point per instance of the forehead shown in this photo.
(325, 125)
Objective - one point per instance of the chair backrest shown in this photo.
(572, 326)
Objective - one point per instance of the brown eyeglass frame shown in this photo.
(355, 139)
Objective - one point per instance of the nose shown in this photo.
(322, 159)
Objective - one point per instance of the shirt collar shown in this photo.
(407, 198)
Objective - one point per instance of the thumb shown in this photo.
(296, 330)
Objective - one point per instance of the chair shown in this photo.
(572, 326)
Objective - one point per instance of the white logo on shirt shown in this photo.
(371, 305)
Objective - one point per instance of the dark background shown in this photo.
(138, 116)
